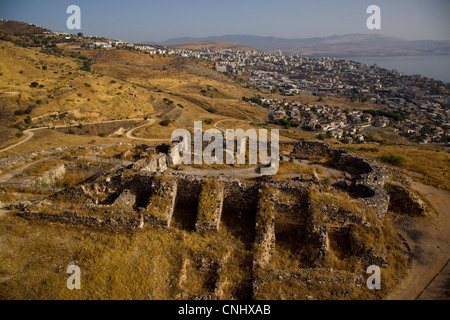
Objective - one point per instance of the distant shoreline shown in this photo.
(431, 66)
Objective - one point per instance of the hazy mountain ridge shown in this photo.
(198, 45)
(346, 45)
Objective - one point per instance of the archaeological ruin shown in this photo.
(307, 217)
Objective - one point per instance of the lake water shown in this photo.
(431, 66)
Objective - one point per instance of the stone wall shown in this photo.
(310, 147)
(162, 202)
(210, 207)
(71, 217)
(264, 229)
(291, 205)
(237, 195)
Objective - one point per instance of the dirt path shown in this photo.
(30, 134)
(100, 55)
(430, 244)
(439, 287)
(11, 174)
(129, 134)
(223, 130)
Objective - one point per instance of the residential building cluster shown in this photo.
(333, 122)
(423, 101)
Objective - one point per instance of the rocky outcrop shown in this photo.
(150, 165)
(51, 176)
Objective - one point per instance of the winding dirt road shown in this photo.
(30, 134)
(129, 134)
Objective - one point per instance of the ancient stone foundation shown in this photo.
(162, 202)
(324, 217)
(210, 207)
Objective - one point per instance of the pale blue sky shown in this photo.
(150, 20)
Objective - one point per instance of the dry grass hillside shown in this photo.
(53, 91)
(428, 164)
(93, 97)
(17, 27)
(180, 83)
(48, 90)
(41, 88)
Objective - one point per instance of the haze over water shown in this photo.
(431, 66)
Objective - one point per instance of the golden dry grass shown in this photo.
(287, 169)
(207, 202)
(114, 265)
(48, 139)
(42, 167)
(124, 85)
(66, 89)
(428, 164)
(146, 265)
(321, 286)
(74, 177)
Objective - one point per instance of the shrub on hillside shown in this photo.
(165, 123)
(391, 159)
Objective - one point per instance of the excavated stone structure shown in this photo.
(148, 191)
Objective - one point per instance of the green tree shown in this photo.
(27, 121)
(165, 123)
